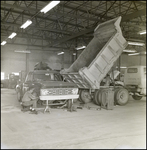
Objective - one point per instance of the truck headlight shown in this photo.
(44, 92)
(75, 91)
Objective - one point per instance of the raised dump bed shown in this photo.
(99, 56)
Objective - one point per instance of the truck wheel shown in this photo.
(85, 96)
(97, 97)
(136, 97)
(103, 100)
(80, 97)
(18, 96)
(121, 96)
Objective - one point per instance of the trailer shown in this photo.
(94, 64)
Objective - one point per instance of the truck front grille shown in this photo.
(59, 91)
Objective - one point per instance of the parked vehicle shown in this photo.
(135, 81)
(96, 61)
(49, 86)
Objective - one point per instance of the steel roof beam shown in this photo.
(141, 3)
(124, 18)
(38, 28)
(18, 7)
(49, 48)
(134, 15)
(24, 35)
(37, 10)
(49, 19)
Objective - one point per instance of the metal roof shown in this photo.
(70, 23)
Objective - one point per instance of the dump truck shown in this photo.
(96, 62)
(135, 81)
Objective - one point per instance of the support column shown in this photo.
(27, 63)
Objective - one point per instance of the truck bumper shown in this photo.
(59, 97)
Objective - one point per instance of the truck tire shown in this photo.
(103, 101)
(80, 97)
(121, 96)
(100, 100)
(85, 96)
(136, 97)
(97, 97)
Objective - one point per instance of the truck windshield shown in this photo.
(46, 77)
(43, 77)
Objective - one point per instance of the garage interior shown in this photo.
(58, 37)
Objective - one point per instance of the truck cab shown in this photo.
(49, 85)
(135, 81)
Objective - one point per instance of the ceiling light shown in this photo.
(26, 24)
(50, 6)
(74, 53)
(3, 43)
(78, 48)
(123, 67)
(12, 35)
(142, 32)
(60, 53)
(134, 54)
(22, 51)
(130, 51)
(136, 43)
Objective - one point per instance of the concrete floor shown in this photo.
(120, 128)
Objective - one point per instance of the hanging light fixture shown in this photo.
(12, 35)
(60, 53)
(123, 67)
(26, 24)
(129, 51)
(136, 43)
(82, 47)
(133, 54)
(22, 51)
(50, 6)
(142, 32)
(3, 43)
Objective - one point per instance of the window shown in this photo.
(2, 75)
(132, 70)
(47, 77)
